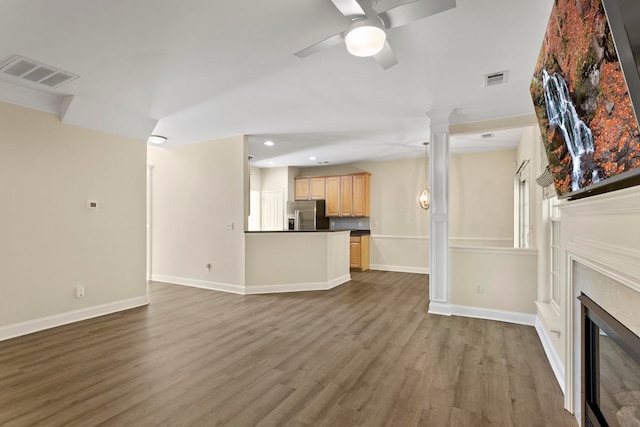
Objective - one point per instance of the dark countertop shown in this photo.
(295, 231)
(353, 232)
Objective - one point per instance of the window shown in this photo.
(554, 218)
(522, 225)
(523, 212)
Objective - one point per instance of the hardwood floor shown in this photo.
(363, 354)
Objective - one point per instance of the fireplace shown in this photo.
(610, 369)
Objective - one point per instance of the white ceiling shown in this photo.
(201, 70)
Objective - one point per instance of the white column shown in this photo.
(439, 213)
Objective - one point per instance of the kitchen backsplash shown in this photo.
(349, 223)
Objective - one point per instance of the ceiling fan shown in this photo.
(366, 33)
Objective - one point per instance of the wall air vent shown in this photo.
(493, 79)
(35, 72)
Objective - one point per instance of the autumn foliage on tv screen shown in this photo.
(596, 136)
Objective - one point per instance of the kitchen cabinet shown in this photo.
(302, 189)
(359, 252)
(361, 194)
(316, 188)
(354, 195)
(345, 195)
(310, 188)
(332, 189)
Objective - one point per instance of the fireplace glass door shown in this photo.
(611, 369)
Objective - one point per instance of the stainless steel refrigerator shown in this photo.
(307, 215)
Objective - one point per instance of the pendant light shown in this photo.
(424, 197)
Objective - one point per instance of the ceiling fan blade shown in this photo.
(386, 58)
(349, 7)
(324, 44)
(406, 13)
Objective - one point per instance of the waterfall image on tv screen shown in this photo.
(581, 99)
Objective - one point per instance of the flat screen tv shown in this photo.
(584, 89)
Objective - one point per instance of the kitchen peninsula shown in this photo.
(290, 261)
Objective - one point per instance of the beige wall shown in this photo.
(399, 227)
(507, 278)
(255, 179)
(285, 262)
(197, 190)
(481, 200)
(276, 179)
(50, 241)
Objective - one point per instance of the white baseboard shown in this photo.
(297, 287)
(339, 281)
(399, 268)
(482, 313)
(493, 314)
(552, 355)
(439, 308)
(252, 290)
(196, 283)
(31, 326)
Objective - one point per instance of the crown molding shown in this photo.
(30, 98)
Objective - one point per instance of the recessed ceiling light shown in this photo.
(312, 158)
(157, 139)
(268, 143)
(272, 163)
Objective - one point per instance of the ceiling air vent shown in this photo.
(27, 69)
(487, 135)
(495, 78)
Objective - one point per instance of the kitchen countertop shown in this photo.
(295, 231)
(353, 232)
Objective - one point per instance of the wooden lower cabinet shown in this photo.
(359, 252)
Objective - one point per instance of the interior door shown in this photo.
(273, 210)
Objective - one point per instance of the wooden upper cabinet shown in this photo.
(346, 195)
(316, 188)
(302, 189)
(310, 188)
(361, 192)
(332, 188)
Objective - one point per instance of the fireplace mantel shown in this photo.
(619, 263)
(626, 201)
(603, 234)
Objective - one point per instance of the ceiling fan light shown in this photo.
(364, 38)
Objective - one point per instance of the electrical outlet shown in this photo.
(207, 267)
(229, 226)
(79, 291)
(479, 288)
(359, 223)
